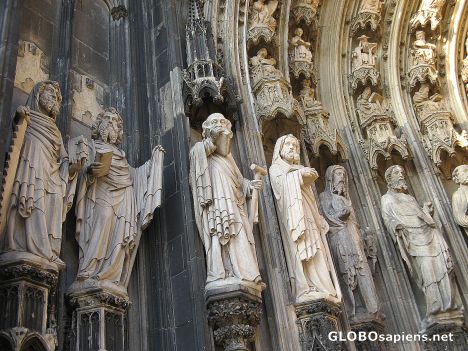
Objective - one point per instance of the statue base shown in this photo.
(316, 320)
(234, 310)
(98, 321)
(368, 326)
(28, 317)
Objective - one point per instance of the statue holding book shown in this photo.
(115, 202)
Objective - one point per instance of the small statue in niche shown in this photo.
(460, 197)
(370, 104)
(346, 243)
(219, 193)
(262, 14)
(307, 96)
(263, 67)
(309, 259)
(423, 249)
(305, 10)
(429, 11)
(301, 48)
(115, 202)
(425, 104)
(423, 52)
(371, 6)
(363, 54)
(464, 69)
(44, 184)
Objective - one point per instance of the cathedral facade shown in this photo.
(232, 175)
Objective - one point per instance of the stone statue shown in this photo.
(371, 6)
(115, 202)
(422, 247)
(426, 104)
(307, 95)
(301, 48)
(262, 14)
(44, 185)
(429, 12)
(424, 52)
(309, 259)
(363, 54)
(347, 245)
(263, 67)
(460, 197)
(370, 104)
(219, 195)
(464, 67)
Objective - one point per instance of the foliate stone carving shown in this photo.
(423, 249)
(363, 63)
(234, 320)
(310, 263)
(271, 90)
(262, 23)
(436, 121)
(315, 320)
(369, 16)
(30, 66)
(460, 197)
(115, 202)
(87, 97)
(119, 12)
(44, 183)
(305, 10)
(220, 195)
(34, 273)
(423, 66)
(300, 56)
(347, 246)
(377, 122)
(429, 12)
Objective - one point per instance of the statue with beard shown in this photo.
(44, 183)
(219, 194)
(460, 197)
(346, 244)
(115, 202)
(423, 249)
(310, 265)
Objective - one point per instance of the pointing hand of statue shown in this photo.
(96, 168)
(256, 184)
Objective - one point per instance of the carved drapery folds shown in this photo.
(300, 56)
(375, 117)
(464, 67)
(262, 21)
(368, 16)
(435, 119)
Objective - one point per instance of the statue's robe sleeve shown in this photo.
(460, 207)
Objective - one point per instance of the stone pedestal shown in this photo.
(98, 320)
(27, 316)
(315, 321)
(234, 312)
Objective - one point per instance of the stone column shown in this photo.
(315, 321)
(234, 313)
(98, 320)
(26, 289)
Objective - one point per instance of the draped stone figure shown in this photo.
(115, 202)
(363, 54)
(300, 47)
(347, 245)
(423, 52)
(44, 184)
(460, 197)
(220, 194)
(262, 14)
(370, 104)
(423, 249)
(307, 96)
(309, 259)
(371, 6)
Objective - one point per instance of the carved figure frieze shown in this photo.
(115, 202)
(423, 249)
(88, 99)
(305, 10)
(43, 182)
(300, 55)
(220, 195)
(262, 23)
(347, 246)
(308, 99)
(429, 12)
(423, 66)
(460, 197)
(376, 120)
(364, 63)
(369, 16)
(30, 66)
(271, 90)
(309, 259)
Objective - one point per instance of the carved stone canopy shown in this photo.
(306, 11)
